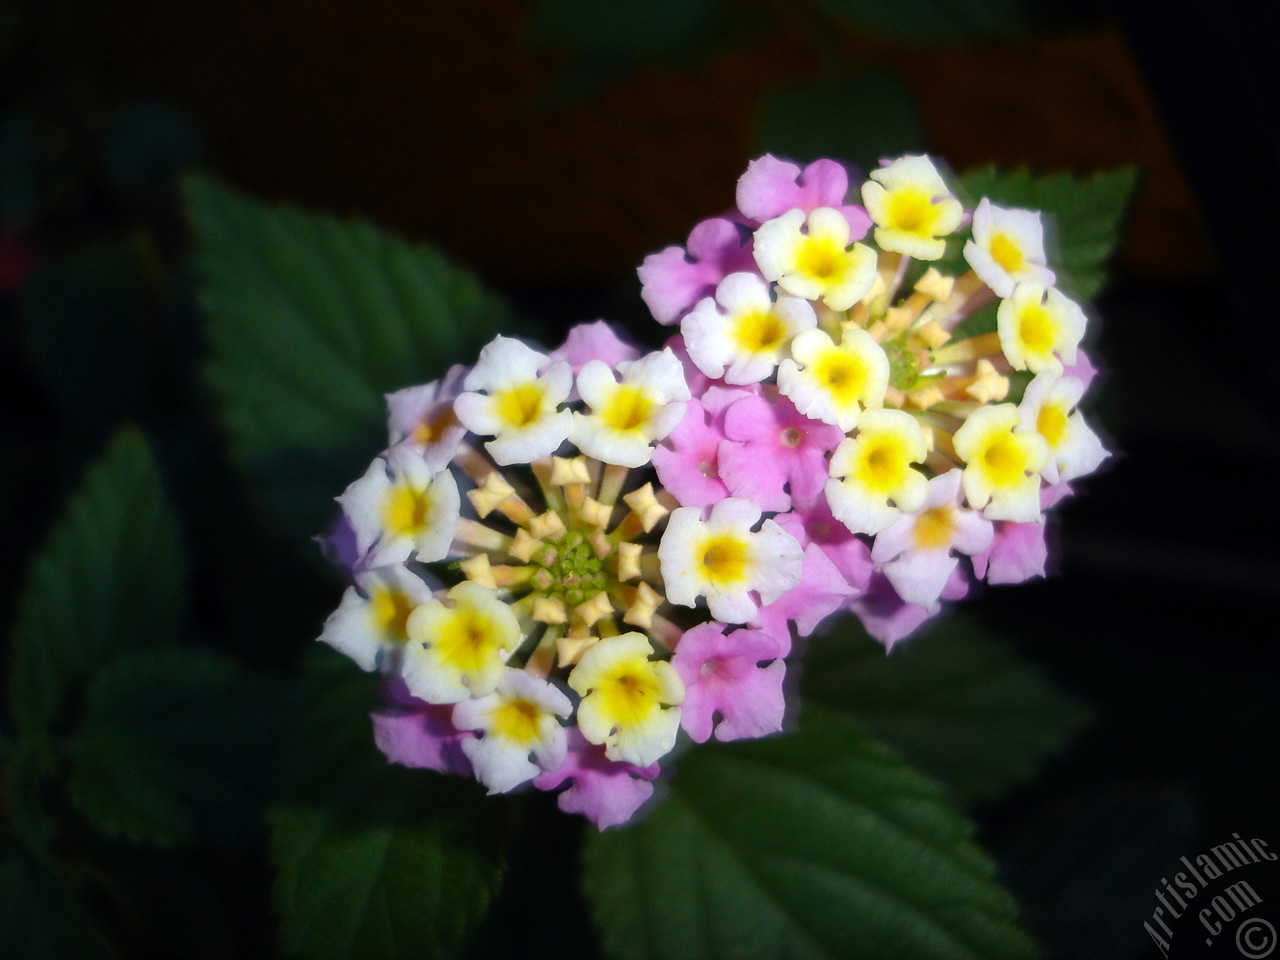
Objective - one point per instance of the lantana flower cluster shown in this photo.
(565, 558)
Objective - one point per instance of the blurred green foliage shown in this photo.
(311, 322)
(958, 703)
(817, 843)
(110, 581)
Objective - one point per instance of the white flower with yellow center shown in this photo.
(1049, 407)
(835, 382)
(1007, 248)
(371, 623)
(399, 508)
(456, 652)
(630, 703)
(1002, 464)
(518, 721)
(816, 262)
(915, 551)
(872, 480)
(627, 418)
(1039, 329)
(723, 560)
(520, 409)
(742, 335)
(423, 417)
(912, 208)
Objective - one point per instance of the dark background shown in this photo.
(552, 168)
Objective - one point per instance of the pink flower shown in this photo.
(771, 187)
(673, 280)
(722, 675)
(688, 460)
(822, 590)
(889, 618)
(1083, 369)
(604, 791)
(1018, 551)
(593, 341)
(813, 523)
(339, 546)
(770, 445)
(1053, 494)
(418, 734)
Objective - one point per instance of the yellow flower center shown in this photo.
(1036, 329)
(724, 559)
(844, 375)
(883, 464)
(629, 696)
(520, 405)
(1052, 424)
(390, 610)
(911, 210)
(405, 510)
(820, 258)
(1006, 253)
(1004, 461)
(934, 528)
(433, 427)
(517, 720)
(759, 332)
(467, 641)
(629, 408)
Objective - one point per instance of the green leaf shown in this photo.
(816, 844)
(378, 891)
(312, 320)
(624, 28)
(929, 21)
(110, 579)
(1081, 229)
(174, 744)
(41, 918)
(858, 116)
(330, 704)
(956, 702)
(374, 860)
